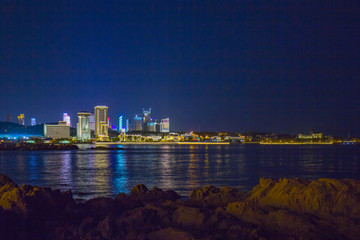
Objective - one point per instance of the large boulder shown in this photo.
(170, 233)
(321, 197)
(302, 209)
(33, 200)
(212, 196)
(188, 217)
(4, 180)
(141, 193)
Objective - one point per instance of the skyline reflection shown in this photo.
(105, 173)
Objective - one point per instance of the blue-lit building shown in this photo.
(33, 121)
(128, 125)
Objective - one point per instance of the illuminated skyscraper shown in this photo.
(66, 118)
(165, 125)
(83, 126)
(138, 123)
(21, 119)
(128, 125)
(146, 115)
(92, 121)
(120, 123)
(101, 121)
(33, 121)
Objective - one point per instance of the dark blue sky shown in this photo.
(285, 66)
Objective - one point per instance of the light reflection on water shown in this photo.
(94, 173)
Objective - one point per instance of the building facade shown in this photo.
(101, 121)
(83, 126)
(92, 121)
(138, 123)
(33, 121)
(165, 125)
(128, 125)
(121, 123)
(21, 119)
(56, 131)
(66, 118)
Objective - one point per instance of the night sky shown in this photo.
(285, 66)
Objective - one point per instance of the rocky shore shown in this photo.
(274, 209)
(35, 146)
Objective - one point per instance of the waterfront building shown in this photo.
(146, 115)
(101, 121)
(138, 123)
(66, 118)
(313, 135)
(128, 125)
(92, 121)
(120, 123)
(104, 130)
(56, 131)
(33, 121)
(157, 127)
(83, 126)
(151, 127)
(21, 119)
(165, 125)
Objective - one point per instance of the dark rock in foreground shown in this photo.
(274, 209)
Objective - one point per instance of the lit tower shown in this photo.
(120, 123)
(33, 121)
(66, 118)
(165, 125)
(21, 119)
(83, 126)
(101, 121)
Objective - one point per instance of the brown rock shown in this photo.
(87, 225)
(126, 202)
(4, 180)
(188, 217)
(106, 227)
(141, 193)
(138, 191)
(321, 197)
(170, 233)
(99, 207)
(212, 196)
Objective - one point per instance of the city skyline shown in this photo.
(213, 66)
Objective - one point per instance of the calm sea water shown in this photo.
(94, 173)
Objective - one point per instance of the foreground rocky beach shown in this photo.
(274, 209)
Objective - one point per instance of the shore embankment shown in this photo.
(22, 146)
(274, 209)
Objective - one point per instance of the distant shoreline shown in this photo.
(161, 143)
(298, 143)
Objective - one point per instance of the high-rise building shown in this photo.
(146, 115)
(33, 121)
(138, 123)
(128, 125)
(101, 121)
(165, 125)
(21, 119)
(151, 127)
(120, 123)
(92, 121)
(83, 126)
(66, 118)
(8, 119)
